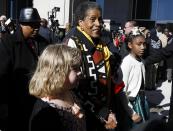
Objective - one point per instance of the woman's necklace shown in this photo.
(64, 105)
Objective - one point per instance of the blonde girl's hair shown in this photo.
(52, 69)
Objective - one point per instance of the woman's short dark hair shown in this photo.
(82, 9)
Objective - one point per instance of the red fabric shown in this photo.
(118, 87)
(123, 38)
(97, 57)
(116, 42)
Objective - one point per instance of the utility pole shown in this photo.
(11, 8)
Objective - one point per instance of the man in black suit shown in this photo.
(19, 53)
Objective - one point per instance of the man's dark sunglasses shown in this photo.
(34, 25)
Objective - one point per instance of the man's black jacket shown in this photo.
(18, 61)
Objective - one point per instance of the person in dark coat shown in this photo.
(153, 44)
(45, 31)
(18, 54)
(163, 54)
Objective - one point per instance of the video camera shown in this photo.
(52, 16)
(8, 27)
(58, 33)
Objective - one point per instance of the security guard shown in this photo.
(19, 54)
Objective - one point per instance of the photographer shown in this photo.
(58, 33)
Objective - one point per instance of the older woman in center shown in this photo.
(96, 87)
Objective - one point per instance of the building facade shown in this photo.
(117, 11)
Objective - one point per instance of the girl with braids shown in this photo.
(133, 71)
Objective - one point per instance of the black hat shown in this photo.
(29, 15)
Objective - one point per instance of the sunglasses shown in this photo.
(32, 24)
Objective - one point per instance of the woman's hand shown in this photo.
(136, 118)
(111, 123)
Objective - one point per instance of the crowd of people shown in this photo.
(86, 80)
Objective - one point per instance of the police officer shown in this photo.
(18, 54)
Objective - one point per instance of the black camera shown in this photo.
(53, 13)
(56, 9)
(52, 16)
